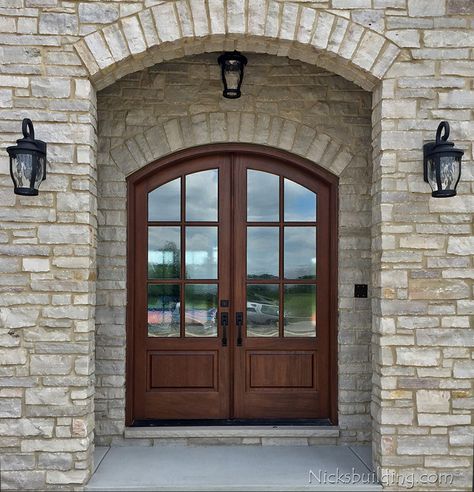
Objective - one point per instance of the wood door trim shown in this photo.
(301, 163)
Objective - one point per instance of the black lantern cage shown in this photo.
(442, 164)
(232, 71)
(27, 161)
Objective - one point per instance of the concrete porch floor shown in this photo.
(232, 468)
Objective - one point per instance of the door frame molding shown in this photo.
(301, 163)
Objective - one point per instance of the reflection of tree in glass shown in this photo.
(168, 267)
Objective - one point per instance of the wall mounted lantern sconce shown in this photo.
(442, 164)
(27, 161)
(232, 70)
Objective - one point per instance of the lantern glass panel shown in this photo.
(432, 173)
(23, 166)
(450, 166)
(232, 74)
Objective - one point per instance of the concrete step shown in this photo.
(265, 435)
(234, 468)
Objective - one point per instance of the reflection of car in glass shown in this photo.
(262, 314)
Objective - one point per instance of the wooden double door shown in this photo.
(231, 288)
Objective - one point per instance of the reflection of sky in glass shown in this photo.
(300, 252)
(262, 196)
(201, 252)
(201, 195)
(262, 252)
(164, 201)
(164, 252)
(300, 203)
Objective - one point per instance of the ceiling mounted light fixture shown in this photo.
(232, 71)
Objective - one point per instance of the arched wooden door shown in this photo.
(232, 287)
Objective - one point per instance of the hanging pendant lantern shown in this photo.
(442, 164)
(232, 69)
(27, 161)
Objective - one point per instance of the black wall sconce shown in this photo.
(442, 164)
(27, 161)
(232, 70)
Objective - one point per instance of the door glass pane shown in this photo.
(300, 203)
(164, 252)
(200, 314)
(164, 202)
(262, 252)
(201, 252)
(201, 196)
(263, 196)
(300, 310)
(263, 310)
(300, 252)
(163, 310)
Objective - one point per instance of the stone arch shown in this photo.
(176, 29)
(206, 128)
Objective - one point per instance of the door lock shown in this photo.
(239, 321)
(224, 324)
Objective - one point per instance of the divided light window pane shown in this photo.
(164, 252)
(200, 316)
(164, 202)
(201, 196)
(300, 203)
(163, 310)
(300, 252)
(201, 252)
(263, 196)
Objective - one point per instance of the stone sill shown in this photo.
(236, 432)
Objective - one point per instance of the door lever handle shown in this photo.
(239, 321)
(224, 324)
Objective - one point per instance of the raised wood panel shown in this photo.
(183, 370)
(283, 370)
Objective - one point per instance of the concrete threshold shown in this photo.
(234, 468)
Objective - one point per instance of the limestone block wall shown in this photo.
(416, 57)
(285, 104)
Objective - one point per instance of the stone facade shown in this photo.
(415, 58)
(286, 104)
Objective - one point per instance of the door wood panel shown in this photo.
(179, 368)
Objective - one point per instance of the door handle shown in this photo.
(224, 324)
(239, 321)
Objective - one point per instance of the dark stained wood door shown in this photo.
(231, 288)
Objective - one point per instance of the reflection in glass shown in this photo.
(300, 203)
(262, 196)
(201, 196)
(263, 310)
(163, 310)
(200, 315)
(164, 202)
(300, 310)
(201, 252)
(300, 252)
(164, 252)
(262, 252)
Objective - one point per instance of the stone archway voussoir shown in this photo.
(208, 128)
